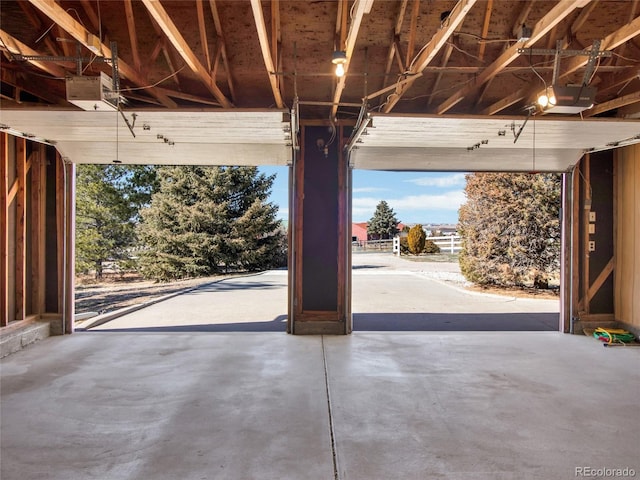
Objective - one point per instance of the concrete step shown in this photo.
(15, 338)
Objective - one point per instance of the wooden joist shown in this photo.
(169, 28)
(430, 51)
(542, 27)
(263, 38)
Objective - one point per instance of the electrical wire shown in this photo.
(154, 84)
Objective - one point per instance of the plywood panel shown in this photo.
(627, 278)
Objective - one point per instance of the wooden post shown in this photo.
(21, 229)
(38, 209)
(69, 250)
(566, 252)
(4, 230)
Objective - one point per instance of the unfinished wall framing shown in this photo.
(627, 237)
(32, 224)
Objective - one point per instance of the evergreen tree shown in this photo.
(383, 224)
(203, 220)
(108, 198)
(510, 228)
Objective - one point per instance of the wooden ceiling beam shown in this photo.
(263, 38)
(37, 87)
(360, 7)
(133, 36)
(413, 28)
(485, 28)
(223, 49)
(16, 47)
(57, 14)
(91, 14)
(394, 40)
(276, 40)
(202, 28)
(448, 50)
(169, 28)
(554, 16)
(429, 52)
(610, 42)
(522, 18)
(35, 21)
(623, 101)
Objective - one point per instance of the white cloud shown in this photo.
(452, 180)
(370, 189)
(283, 213)
(364, 207)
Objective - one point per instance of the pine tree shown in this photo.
(383, 224)
(510, 228)
(203, 220)
(108, 198)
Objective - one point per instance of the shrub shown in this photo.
(431, 247)
(416, 239)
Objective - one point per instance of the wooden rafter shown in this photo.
(430, 51)
(91, 14)
(413, 28)
(623, 101)
(133, 36)
(614, 40)
(394, 40)
(169, 28)
(544, 25)
(222, 45)
(276, 38)
(202, 28)
(35, 21)
(359, 9)
(263, 37)
(57, 14)
(16, 47)
(485, 28)
(522, 17)
(189, 97)
(582, 18)
(448, 50)
(610, 42)
(620, 80)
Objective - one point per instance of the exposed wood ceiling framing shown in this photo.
(260, 53)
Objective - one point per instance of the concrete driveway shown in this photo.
(389, 294)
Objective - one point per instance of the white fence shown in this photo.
(448, 244)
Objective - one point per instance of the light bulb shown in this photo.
(543, 100)
(552, 100)
(339, 70)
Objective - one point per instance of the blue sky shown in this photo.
(416, 197)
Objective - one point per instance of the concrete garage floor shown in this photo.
(421, 405)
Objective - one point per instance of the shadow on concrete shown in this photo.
(229, 284)
(278, 324)
(360, 267)
(390, 322)
(456, 322)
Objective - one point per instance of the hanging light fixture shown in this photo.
(339, 59)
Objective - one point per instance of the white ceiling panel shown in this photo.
(456, 143)
(161, 137)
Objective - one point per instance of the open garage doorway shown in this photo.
(136, 291)
(428, 292)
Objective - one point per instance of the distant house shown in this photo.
(359, 232)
